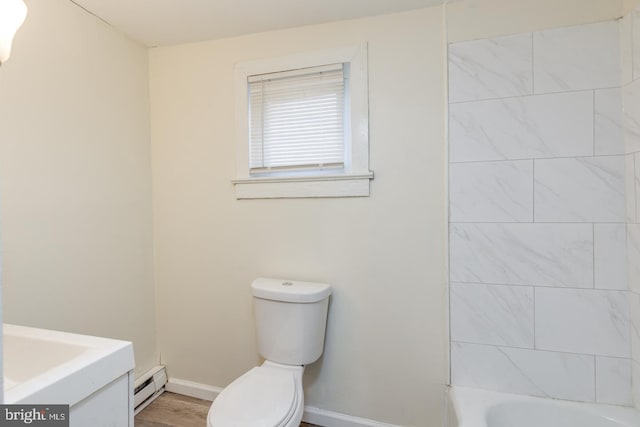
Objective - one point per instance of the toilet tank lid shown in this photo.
(290, 290)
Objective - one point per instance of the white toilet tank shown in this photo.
(291, 318)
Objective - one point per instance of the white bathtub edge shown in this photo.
(471, 406)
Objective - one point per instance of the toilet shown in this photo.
(291, 318)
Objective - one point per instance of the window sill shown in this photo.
(303, 187)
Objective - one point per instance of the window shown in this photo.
(303, 126)
(296, 120)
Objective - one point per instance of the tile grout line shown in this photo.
(541, 350)
(595, 378)
(538, 286)
(448, 237)
(593, 122)
(538, 222)
(635, 188)
(535, 344)
(533, 192)
(523, 159)
(525, 95)
(593, 254)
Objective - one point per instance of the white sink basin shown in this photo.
(51, 367)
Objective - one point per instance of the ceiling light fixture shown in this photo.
(12, 15)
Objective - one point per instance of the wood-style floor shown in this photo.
(175, 410)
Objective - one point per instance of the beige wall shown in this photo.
(386, 348)
(629, 5)
(75, 179)
(475, 19)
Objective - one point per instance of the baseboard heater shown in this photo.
(148, 387)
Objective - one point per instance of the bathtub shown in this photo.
(93, 375)
(480, 408)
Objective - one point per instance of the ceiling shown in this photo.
(166, 22)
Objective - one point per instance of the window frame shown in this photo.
(353, 181)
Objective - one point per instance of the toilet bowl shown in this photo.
(291, 318)
(266, 396)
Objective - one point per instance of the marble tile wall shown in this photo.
(539, 212)
(630, 44)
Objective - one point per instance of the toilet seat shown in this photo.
(265, 396)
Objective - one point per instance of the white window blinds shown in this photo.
(297, 119)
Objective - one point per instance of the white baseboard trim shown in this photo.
(326, 418)
(311, 415)
(192, 389)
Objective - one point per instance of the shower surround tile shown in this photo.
(626, 49)
(577, 58)
(631, 186)
(579, 253)
(522, 254)
(636, 189)
(492, 314)
(634, 309)
(491, 192)
(634, 301)
(582, 321)
(613, 381)
(636, 381)
(490, 68)
(633, 257)
(532, 372)
(635, 31)
(631, 116)
(610, 256)
(586, 189)
(557, 125)
(609, 130)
